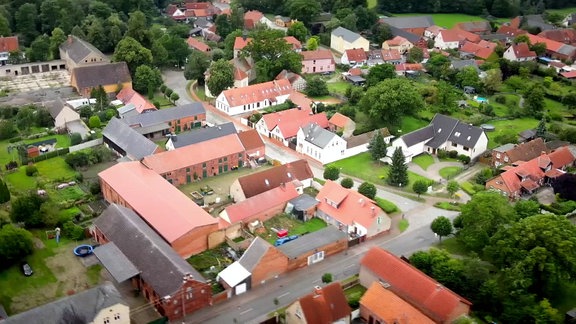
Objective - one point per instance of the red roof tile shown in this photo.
(355, 71)
(391, 55)
(257, 92)
(561, 157)
(356, 55)
(569, 74)
(551, 45)
(195, 154)
(262, 181)
(129, 96)
(196, 44)
(274, 119)
(522, 50)
(474, 26)
(289, 127)
(483, 49)
(251, 18)
(454, 35)
(9, 44)
(198, 5)
(396, 41)
(241, 42)
(300, 100)
(251, 140)
(340, 120)
(134, 183)
(293, 41)
(317, 55)
(510, 31)
(413, 286)
(325, 305)
(565, 35)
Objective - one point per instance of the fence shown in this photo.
(85, 145)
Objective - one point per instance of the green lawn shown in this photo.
(354, 293)
(447, 206)
(338, 87)
(445, 20)
(423, 160)
(51, 170)
(294, 226)
(563, 11)
(164, 103)
(409, 124)
(471, 188)
(514, 126)
(555, 107)
(362, 166)
(386, 205)
(450, 172)
(403, 225)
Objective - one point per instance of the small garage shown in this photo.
(302, 207)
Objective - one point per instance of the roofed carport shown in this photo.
(116, 262)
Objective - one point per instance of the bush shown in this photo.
(95, 122)
(331, 172)
(95, 188)
(73, 231)
(75, 139)
(386, 205)
(453, 154)
(31, 170)
(347, 183)
(327, 278)
(464, 158)
(500, 99)
(442, 154)
(367, 189)
(15, 139)
(11, 165)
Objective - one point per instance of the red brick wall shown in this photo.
(266, 214)
(330, 249)
(194, 242)
(271, 264)
(196, 295)
(179, 177)
(186, 123)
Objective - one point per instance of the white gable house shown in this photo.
(255, 97)
(320, 144)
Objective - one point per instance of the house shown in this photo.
(341, 123)
(129, 184)
(422, 292)
(127, 142)
(526, 135)
(254, 97)
(320, 144)
(282, 21)
(404, 69)
(318, 61)
(78, 52)
(443, 133)
(199, 135)
(381, 305)
(65, 118)
(342, 39)
(111, 76)
(195, 44)
(453, 38)
(511, 153)
(325, 305)
(283, 126)
(155, 124)
(129, 96)
(101, 304)
(483, 49)
(302, 207)
(569, 20)
(412, 24)
(510, 31)
(314, 247)
(244, 72)
(351, 212)
(296, 45)
(355, 80)
(162, 277)
(296, 80)
(198, 161)
(375, 57)
(525, 178)
(531, 21)
(261, 207)
(8, 45)
(259, 182)
(564, 35)
(391, 56)
(461, 64)
(354, 56)
(554, 49)
(519, 53)
(432, 31)
(398, 43)
(254, 147)
(476, 27)
(252, 18)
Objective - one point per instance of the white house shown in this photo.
(320, 144)
(443, 133)
(342, 39)
(519, 53)
(354, 56)
(447, 39)
(255, 97)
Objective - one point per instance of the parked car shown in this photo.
(26, 269)
(286, 239)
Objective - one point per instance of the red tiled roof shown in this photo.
(409, 67)
(241, 42)
(522, 50)
(353, 207)
(197, 5)
(134, 183)
(356, 55)
(390, 308)
(435, 30)
(569, 74)
(289, 127)
(9, 44)
(474, 26)
(510, 31)
(261, 203)
(355, 71)
(459, 35)
(526, 151)
(239, 74)
(317, 55)
(171, 9)
(251, 18)
(340, 120)
(554, 173)
(561, 157)
(196, 44)
(325, 305)
(250, 139)
(515, 22)
(430, 297)
(293, 41)
(262, 181)
(276, 118)
(396, 41)
(257, 92)
(565, 35)
(129, 96)
(551, 45)
(300, 100)
(391, 55)
(195, 154)
(483, 49)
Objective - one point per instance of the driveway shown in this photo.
(175, 80)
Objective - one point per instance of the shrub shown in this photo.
(327, 278)
(95, 188)
(453, 154)
(73, 231)
(386, 205)
(347, 183)
(367, 189)
(75, 139)
(15, 139)
(31, 170)
(94, 122)
(11, 165)
(500, 99)
(331, 172)
(442, 154)
(464, 158)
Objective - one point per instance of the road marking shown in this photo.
(315, 281)
(246, 311)
(284, 294)
(349, 266)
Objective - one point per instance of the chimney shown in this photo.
(373, 209)
(70, 39)
(244, 35)
(282, 185)
(317, 290)
(361, 202)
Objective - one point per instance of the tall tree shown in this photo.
(534, 101)
(366, 17)
(303, 10)
(452, 186)
(312, 43)
(398, 172)
(377, 146)
(445, 99)
(5, 26)
(49, 15)
(380, 73)
(415, 55)
(541, 128)
(221, 77)
(420, 187)
(138, 28)
(316, 87)
(39, 49)
(441, 226)
(96, 34)
(468, 77)
(298, 30)
(133, 53)
(198, 63)
(4, 192)
(177, 49)
(26, 18)
(147, 79)
(26, 209)
(56, 39)
(331, 172)
(15, 243)
(493, 80)
(223, 25)
(115, 29)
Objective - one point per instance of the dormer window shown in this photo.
(439, 130)
(457, 134)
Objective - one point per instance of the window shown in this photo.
(204, 164)
(316, 257)
(225, 159)
(497, 155)
(506, 158)
(454, 144)
(106, 320)
(178, 122)
(187, 169)
(116, 316)
(189, 294)
(457, 134)
(379, 220)
(195, 117)
(466, 148)
(220, 160)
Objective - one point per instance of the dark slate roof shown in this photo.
(165, 115)
(77, 49)
(303, 202)
(443, 128)
(84, 306)
(311, 241)
(160, 266)
(409, 22)
(317, 135)
(254, 253)
(418, 136)
(119, 266)
(413, 38)
(94, 75)
(134, 144)
(465, 134)
(538, 21)
(346, 34)
(203, 134)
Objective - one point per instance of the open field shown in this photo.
(51, 170)
(338, 87)
(294, 226)
(445, 20)
(514, 126)
(563, 11)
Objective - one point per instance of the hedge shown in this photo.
(386, 205)
(46, 156)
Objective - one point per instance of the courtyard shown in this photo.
(35, 81)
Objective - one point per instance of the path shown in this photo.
(433, 171)
(174, 79)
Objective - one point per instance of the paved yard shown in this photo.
(36, 81)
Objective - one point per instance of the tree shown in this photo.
(468, 77)
(377, 146)
(389, 100)
(174, 97)
(312, 43)
(39, 50)
(539, 48)
(564, 186)
(221, 77)
(159, 55)
(380, 73)
(94, 122)
(366, 17)
(331, 172)
(101, 97)
(147, 79)
(445, 98)
(133, 53)
(4, 192)
(26, 19)
(15, 243)
(420, 187)
(7, 129)
(26, 209)
(303, 10)
(534, 100)
(492, 81)
(58, 37)
(298, 30)
(4, 26)
(327, 278)
(138, 28)
(75, 138)
(367, 189)
(398, 172)
(198, 63)
(177, 49)
(541, 128)
(347, 183)
(516, 83)
(223, 25)
(441, 226)
(316, 87)
(415, 55)
(381, 33)
(525, 208)
(452, 187)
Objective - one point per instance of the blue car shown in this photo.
(286, 239)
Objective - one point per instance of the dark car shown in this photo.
(26, 269)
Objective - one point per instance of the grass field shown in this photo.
(62, 141)
(403, 225)
(338, 87)
(354, 293)
(54, 169)
(514, 126)
(447, 206)
(423, 160)
(563, 11)
(449, 172)
(445, 20)
(294, 226)
(410, 124)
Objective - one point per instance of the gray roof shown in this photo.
(413, 38)
(126, 108)
(165, 115)
(529, 133)
(504, 148)
(346, 34)
(460, 64)
(465, 134)
(254, 253)
(203, 134)
(409, 22)
(77, 49)
(95, 75)
(567, 49)
(303, 202)
(538, 21)
(310, 242)
(129, 140)
(78, 308)
(119, 266)
(419, 135)
(153, 128)
(443, 128)
(160, 266)
(54, 107)
(317, 135)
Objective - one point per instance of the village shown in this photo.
(214, 162)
